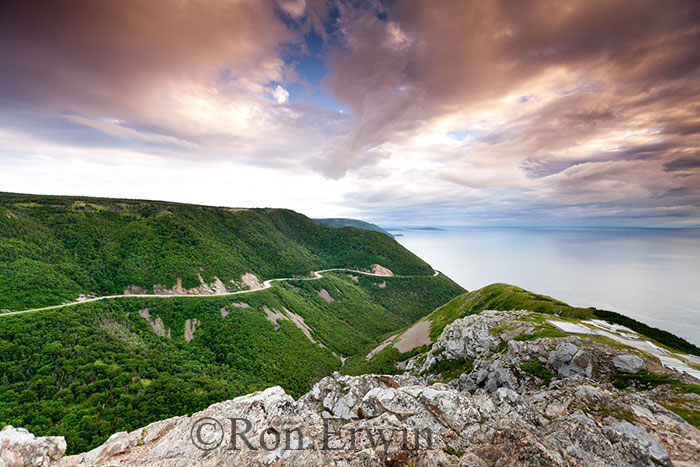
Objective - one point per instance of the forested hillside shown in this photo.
(92, 369)
(53, 248)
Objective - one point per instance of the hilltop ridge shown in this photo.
(345, 222)
(54, 248)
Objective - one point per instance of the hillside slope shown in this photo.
(54, 248)
(502, 297)
(86, 371)
(91, 369)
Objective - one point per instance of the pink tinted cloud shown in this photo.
(565, 103)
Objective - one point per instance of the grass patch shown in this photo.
(537, 369)
(452, 451)
(690, 416)
(501, 347)
(450, 369)
(610, 342)
(648, 380)
(606, 410)
(496, 330)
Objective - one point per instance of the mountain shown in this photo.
(343, 222)
(54, 249)
(193, 312)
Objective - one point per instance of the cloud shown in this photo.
(280, 94)
(120, 131)
(688, 163)
(294, 8)
(561, 109)
(110, 56)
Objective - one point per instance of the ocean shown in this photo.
(652, 275)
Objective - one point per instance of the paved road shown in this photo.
(266, 285)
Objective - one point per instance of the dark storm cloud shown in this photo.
(684, 163)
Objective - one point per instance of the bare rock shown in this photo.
(380, 270)
(251, 281)
(323, 293)
(190, 328)
(627, 363)
(627, 433)
(372, 420)
(21, 448)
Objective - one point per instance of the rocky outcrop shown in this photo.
(190, 328)
(323, 293)
(274, 316)
(470, 337)
(19, 448)
(395, 420)
(156, 324)
(505, 351)
(251, 281)
(215, 288)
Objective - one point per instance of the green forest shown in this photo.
(96, 368)
(87, 371)
(52, 248)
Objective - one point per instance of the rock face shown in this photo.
(190, 328)
(215, 288)
(251, 281)
(20, 448)
(323, 293)
(156, 324)
(532, 402)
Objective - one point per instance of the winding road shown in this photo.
(266, 285)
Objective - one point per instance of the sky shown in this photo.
(440, 112)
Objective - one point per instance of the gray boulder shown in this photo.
(568, 360)
(495, 376)
(627, 433)
(627, 363)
